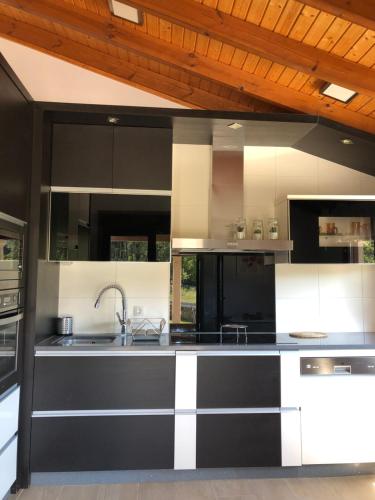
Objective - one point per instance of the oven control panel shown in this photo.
(358, 365)
(9, 299)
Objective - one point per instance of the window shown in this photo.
(129, 248)
(183, 293)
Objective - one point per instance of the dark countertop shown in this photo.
(284, 342)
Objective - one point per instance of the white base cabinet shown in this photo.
(9, 405)
(8, 467)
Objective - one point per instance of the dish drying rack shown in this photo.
(145, 327)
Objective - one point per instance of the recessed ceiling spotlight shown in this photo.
(235, 126)
(125, 11)
(336, 92)
(347, 141)
(113, 119)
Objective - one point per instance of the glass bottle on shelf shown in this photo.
(257, 229)
(273, 229)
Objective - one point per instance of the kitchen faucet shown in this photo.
(123, 317)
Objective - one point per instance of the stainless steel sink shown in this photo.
(87, 340)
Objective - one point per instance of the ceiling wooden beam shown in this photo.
(360, 12)
(263, 42)
(118, 69)
(205, 67)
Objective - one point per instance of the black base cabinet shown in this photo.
(64, 444)
(239, 440)
(238, 381)
(107, 382)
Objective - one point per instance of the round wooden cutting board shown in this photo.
(308, 335)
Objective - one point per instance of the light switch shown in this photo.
(137, 311)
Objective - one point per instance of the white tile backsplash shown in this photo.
(341, 297)
(340, 280)
(146, 284)
(297, 281)
(298, 314)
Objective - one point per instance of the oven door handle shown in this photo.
(11, 319)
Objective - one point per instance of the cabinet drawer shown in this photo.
(238, 382)
(102, 443)
(95, 383)
(9, 417)
(8, 467)
(238, 440)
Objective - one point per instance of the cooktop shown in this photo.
(222, 338)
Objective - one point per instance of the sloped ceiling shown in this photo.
(240, 55)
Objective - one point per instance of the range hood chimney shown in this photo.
(227, 206)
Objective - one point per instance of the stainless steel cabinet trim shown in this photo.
(93, 190)
(100, 413)
(13, 220)
(5, 394)
(66, 352)
(238, 353)
(222, 411)
(11, 319)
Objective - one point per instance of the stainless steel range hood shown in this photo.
(193, 245)
(227, 205)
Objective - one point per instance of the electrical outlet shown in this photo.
(137, 311)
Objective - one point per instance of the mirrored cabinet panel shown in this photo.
(110, 227)
(332, 231)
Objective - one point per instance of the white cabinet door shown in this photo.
(9, 416)
(337, 419)
(8, 467)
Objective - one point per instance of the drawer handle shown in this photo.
(342, 370)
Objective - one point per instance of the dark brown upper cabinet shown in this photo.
(16, 132)
(82, 155)
(142, 158)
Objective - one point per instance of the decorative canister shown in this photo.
(65, 325)
(273, 229)
(257, 229)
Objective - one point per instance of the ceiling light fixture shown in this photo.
(347, 141)
(235, 126)
(336, 92)
(125, 11)
(113, 119)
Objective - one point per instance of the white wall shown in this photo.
(50, 79)
(270, 174)
(146, 284)
(325, 297)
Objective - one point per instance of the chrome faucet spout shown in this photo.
(123, 317)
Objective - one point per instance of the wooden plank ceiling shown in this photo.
(243, 55)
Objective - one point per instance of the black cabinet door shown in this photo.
(95, 383)
(82, 155)
(239, 440)
(16, 132)
(142, 158)
(238, 381)
(63, 444)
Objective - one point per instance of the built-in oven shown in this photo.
(11, 248)
(11, 298)
(11, 321)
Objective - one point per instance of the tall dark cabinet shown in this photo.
(15, 143)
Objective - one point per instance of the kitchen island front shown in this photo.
(188, 407)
